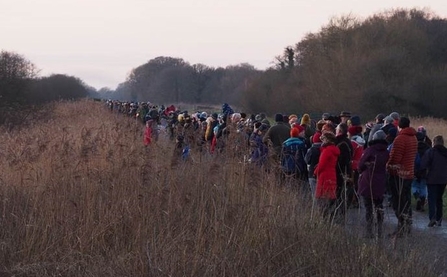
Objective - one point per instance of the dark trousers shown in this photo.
(435, 193)
(401, 198)
(373, 206)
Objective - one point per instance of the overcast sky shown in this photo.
(101, 41)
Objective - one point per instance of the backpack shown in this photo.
(292, 158)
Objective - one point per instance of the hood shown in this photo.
(359, 140)
(291, 141)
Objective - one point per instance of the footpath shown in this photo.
(431, 242)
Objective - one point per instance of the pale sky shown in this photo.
(101, 41)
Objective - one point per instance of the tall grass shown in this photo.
(81, 196)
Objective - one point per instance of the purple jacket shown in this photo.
(372, 169)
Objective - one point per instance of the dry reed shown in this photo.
(81, 196)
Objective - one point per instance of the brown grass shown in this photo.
(81, 196)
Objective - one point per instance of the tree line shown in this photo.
(22, 89)
(396, 60)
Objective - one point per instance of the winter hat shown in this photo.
(316, 138)
(296, 131)
(355, 130)
(395, 115)
(279, 117)
(355, 120)
(379, 135)
(388, 120)
(422, 130)
(305, 119)
(214, 115)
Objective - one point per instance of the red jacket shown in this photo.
(403, 154)
(356, 155)
(326, 173)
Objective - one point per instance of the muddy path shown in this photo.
(430, 242)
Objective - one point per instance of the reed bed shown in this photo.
(81, 196)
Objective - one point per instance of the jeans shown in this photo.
(435, 192)
(419, 188)
(313, 186)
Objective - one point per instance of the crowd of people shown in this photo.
(342, 162)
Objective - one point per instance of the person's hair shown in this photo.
(404, 122)
(438, 140)
(343, 128)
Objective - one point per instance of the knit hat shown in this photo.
(279, 117)
(421, 129)
(355, 120)
(395, 115)
(305, 119)
(316, 138)
(388, 120)
(296, 131)
(379, 135)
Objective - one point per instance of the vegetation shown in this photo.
(81, 196)
(390, 61)
(21, 89)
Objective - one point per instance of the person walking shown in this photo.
(326, 175)
(372, 181)
(435, 162)
(401, 170)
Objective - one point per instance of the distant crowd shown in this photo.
(340, 161)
